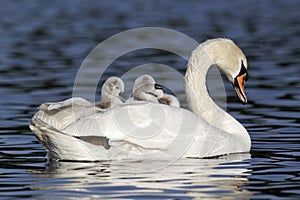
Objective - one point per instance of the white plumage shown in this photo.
(149, 130)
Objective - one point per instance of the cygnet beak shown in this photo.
(123, 96)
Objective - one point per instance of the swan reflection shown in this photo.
(204, 178)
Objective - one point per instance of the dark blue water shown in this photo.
(43, 44)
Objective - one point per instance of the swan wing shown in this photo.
(64, 113)
(141, 129)
(75, 101)
(136, 130)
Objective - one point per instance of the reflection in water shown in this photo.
(184, 178)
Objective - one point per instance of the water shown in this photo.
(43, 44)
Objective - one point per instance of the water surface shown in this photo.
(43, 44)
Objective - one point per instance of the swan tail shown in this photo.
(61, 146)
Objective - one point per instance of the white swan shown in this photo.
(61, 114)
(149, 130)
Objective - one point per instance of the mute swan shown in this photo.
(61, 114)
(149, 130)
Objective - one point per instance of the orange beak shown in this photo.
(239, 84)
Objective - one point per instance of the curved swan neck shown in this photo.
(198, 98)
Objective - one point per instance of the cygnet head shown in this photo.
(112, 90)
(145, 89)
(230, 59)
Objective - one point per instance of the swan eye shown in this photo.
(243, 71)
(246, 77)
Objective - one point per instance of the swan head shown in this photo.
(113, 87)
(230, 59)
(145, 88)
